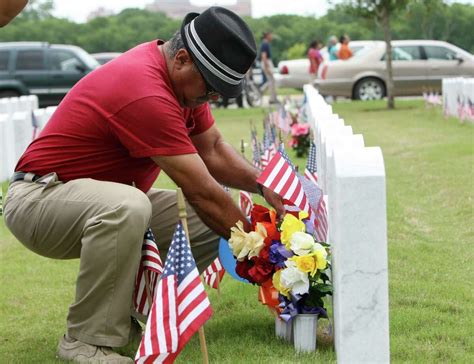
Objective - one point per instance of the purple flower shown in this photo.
(279, 254)
(309, 226)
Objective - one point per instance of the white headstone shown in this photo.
(359, 256)
(4, 161)
(7, 143)
(23, 132)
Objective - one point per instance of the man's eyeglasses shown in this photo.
(210, 92)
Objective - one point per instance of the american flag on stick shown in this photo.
(148, 274)
(213, 274)
(280, 177)
(180, 308)
(311, 167)
(316, 200)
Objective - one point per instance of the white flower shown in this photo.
(294, 279)
(301, 243)
(246, 245)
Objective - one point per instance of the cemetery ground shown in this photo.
(429, 165)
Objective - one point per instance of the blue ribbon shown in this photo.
(292, 307)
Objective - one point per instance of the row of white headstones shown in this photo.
(352, 177)
(17, 129)
(458, 97)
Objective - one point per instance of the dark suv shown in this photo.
(46, 70)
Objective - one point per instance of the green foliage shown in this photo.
(37, 10)
(297, 50)
(428, 19)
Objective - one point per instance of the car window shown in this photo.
(4, 56)
(405, 53)
(30, 60)
(63, 60)
(434, 52)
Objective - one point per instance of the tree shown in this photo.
(37, 10)
(382, 11)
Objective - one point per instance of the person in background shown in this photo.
(267, 66)
(344, 52)
(333, 48)
(315, 58)
(9, 9)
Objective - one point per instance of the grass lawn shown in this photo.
(429, 166)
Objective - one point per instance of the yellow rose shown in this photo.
(276, 280)
(320, 259)
(305, 263)
(289, 226)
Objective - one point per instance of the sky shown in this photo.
(79, 10)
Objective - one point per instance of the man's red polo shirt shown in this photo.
(113, 120)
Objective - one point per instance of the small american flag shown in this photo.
(280, 177)
(150, 266)
(321, 221)
(214, 274)
(245, 202)
(316, 200)
(180, 308)
(310, 171)
(269, 148)
(255, 150)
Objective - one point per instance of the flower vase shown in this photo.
(304, 332)
(283, 329)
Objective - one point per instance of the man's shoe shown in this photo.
(79, 352)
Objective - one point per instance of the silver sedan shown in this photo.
(418, 65)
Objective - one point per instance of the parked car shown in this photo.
(46, 70)
(105, 57)
(295, 73)
(418, 65)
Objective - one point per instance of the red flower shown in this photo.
(261, 271)
(259, 213)
(267, 218)
(242, 269)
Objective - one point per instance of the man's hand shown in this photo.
(213, 205)
(274, 200)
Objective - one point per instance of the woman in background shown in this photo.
(344, 52)
(315, 58)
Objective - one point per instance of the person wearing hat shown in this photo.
(83, 188)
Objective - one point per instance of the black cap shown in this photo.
(222, 46)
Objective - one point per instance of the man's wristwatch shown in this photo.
(260, 189)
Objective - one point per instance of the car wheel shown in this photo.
(369, 89)
(9, 93)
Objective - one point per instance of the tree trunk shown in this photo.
(388, 58)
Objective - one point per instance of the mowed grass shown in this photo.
(429, 167)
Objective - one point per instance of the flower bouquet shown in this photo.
(300, 138)
(284, 259)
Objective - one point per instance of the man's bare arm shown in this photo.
(213, 205)
(229, 168)
(9, 9)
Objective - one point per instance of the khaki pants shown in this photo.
(103, 224)
(270, 84)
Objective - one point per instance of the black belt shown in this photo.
(24, 176)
